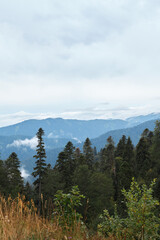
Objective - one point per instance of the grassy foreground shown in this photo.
(19, 221)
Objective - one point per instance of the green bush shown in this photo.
(141, 221)
(66, 206)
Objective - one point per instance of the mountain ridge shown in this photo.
(25, 145)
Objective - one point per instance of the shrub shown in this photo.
(66, 205)
(141, 221)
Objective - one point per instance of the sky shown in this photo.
(79, 59)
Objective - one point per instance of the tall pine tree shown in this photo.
(88, 153)
(66, 164)
(15, 180)
(143, 159)
(40, 169)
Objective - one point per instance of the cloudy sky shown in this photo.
(79, 59)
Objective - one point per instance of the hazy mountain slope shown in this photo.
(20, 138)
(63, 128)
(134, 133)
(68, 128)
(133, 121)
(29, 162)
(25, 147)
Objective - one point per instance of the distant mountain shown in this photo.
(69, 128)
(20, 138)
(133, 121)
(134, 133)
(63, 128)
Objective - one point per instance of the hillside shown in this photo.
(64, 128)
(134, 133)
(20, 138)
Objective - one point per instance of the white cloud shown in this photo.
(31, 143)
(24, 172)
(98, 111)
(76, 139)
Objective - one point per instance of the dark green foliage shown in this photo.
(4, 183)
(93, 185)
(124, 163)
(82, 176)
(88, 153)
(79, 158)
(66, 206)
(13, 175)
(125, 169)
(121, 146)
(66, 165)
(52, 182)
(99, 197)
(143, 159)
(107, 160)
(155, 149)
(100, 176)
(155, 158)
(122, 180)
(40, 169)
(28, 191)
(141, 221)
(128, 152)
(110, 150)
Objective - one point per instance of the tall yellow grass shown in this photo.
(19, 221)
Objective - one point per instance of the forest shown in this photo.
(114, 192)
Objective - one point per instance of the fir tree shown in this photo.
(107, 157)
(66, 164)
(88, 153)
(121, 147)
(4, 184)
(15, 180)
(143, 159)
(39, 170)
(155, 150)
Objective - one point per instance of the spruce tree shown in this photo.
(88, 153)
(40, 169)
(155, 149)
(120, 149)
(108, 159)
(13, 174)
(143, 159)
(4, 184)
(66, 164)
(124, 170)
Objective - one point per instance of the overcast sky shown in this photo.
(79, 59)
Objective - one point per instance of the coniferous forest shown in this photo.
(114, 193)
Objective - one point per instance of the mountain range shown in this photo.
(20, 137)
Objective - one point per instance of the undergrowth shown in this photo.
(19, 220)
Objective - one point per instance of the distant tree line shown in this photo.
(100, 176)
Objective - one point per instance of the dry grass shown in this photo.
(19, 221)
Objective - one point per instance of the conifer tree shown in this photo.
(66, 164)
(155, 157)
(15, 180)
(28, 191)
(143, 159)
(3, 178)
(124, 170)
(129, 151)
(39, 170)
(88, 153)
(107, 157)
(121, 147)
(155, 147)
